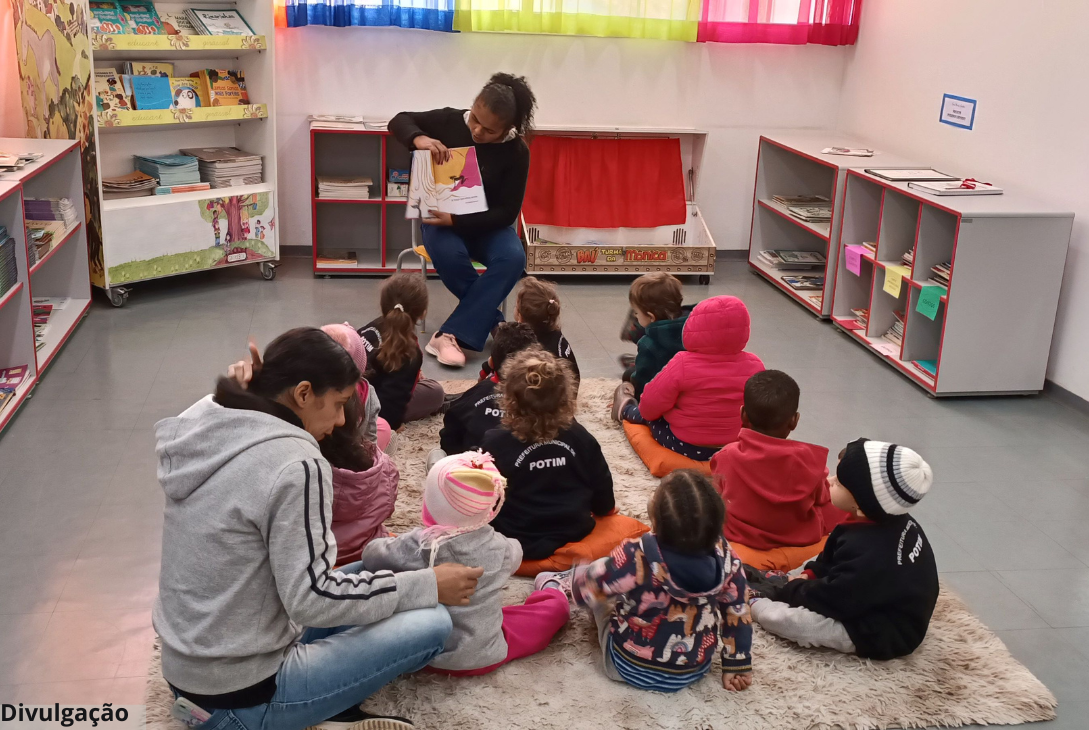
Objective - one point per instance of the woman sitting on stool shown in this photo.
(496, 125)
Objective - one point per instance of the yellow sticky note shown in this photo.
(894, 278)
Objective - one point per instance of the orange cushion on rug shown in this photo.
(658, 458)
(609, 532)
(782, 558)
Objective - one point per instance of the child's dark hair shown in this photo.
(301, 354)
(508, 339)
(403, 301)
(658, 294)
(539, 305)
(538, 395)
(510, 98)
(688, 513)
(771, 399)
(344, 448)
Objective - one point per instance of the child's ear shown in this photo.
(745, 423)
(491, 363)
(794, 421)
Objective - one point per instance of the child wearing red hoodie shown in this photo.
(693, 405)
(780, 511)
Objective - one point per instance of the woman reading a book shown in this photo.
(496, 125)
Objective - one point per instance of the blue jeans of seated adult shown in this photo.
(452, 252)
(330, 670)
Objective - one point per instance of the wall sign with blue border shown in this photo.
(958, 111)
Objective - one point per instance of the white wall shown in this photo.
(1025, 63)
(734, 92)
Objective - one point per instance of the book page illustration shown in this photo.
(453, 187)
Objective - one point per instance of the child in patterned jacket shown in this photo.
(662, 601)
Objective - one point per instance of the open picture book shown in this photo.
(453, 187)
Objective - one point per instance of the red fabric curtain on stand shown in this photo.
(822, 22)
(605, 183)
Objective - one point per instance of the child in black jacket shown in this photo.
(557, 477)
(873, 589)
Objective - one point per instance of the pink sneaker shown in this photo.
(446, 350)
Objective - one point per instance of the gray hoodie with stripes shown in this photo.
(248, 550)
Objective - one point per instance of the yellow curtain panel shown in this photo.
(673, 20)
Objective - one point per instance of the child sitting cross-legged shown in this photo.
(476, 411)
(873, 588)
(462, 494)
(662, 601)
(656, 302)
(558, 478)
(777, 489)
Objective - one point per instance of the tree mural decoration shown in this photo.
(233, 214)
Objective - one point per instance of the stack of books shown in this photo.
(895, 335)
(805, 282)
(786, 259)
(12, 161)
(134, 185)
(344, 188)
(224, 167)
(908, 259)
(41, 237)
(929, 368)
(41, 313)
(50, 209)
(942, 273)
(811, 213)
(862, 316)
(10, 379)
(870, 246)
(789, 200)
(169, 170)
(9, 274)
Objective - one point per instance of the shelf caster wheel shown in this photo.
(268, 271)
(118, 296)
(704, 279)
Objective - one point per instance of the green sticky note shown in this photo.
(929, 299)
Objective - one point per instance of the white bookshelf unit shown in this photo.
(60, 273)
(793, 164)
(992, 332)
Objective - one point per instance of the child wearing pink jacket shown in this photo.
(693, 406)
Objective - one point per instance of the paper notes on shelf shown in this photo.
(929, 299)
(887, 349)
(854, 258)
(894, 278)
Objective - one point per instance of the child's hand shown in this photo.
(736, 682)
(242, 371)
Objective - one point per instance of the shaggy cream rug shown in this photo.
(962, 674)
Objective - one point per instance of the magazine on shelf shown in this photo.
(789, 200)
(811, 213)
(219, 21)
(149, 68)
(897, 174)
(799, 257)
(805, 282)
(107, 18)
(454, 186)
(848, 151)
(772, 259)
(956, 187)
(142, 17)
(178, 23)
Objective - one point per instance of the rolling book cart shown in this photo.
(60, 273)
(793, 165)
(990, 332)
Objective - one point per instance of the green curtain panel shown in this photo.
(673, 20)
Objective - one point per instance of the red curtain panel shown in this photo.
(822, 22)
(605, 183)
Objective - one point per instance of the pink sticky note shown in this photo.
(854, 259)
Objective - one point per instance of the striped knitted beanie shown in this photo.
(462, 492)
(346, 336)
(885, 479)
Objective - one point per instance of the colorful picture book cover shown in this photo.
(185, 94)
(177, 23)
(107, 18)
(218, 87)
(453, 187)
(142, 16)
(110, 93)
(221, 22)
(150, 92)
(149, 68)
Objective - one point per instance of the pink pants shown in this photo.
(528, 629)
(383, 433)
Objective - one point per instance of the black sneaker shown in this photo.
(355, 719)
(761, 583)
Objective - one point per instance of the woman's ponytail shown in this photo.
(403, 300)
(510, 97)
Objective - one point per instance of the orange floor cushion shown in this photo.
(609, 532)
(782, 558)
(658, 458)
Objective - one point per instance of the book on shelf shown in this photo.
(134, 185)
(189, 188)
(848, 151)
(817, 300)
(107, 18)
(785, 260)
(149, 68)
(908, 259)
(926, 367)
(221, 87)
(41, 237)
(941, 273)
(811, 213)
(50, 209)
(344, 188)
(895, 333)
(908, 174)
(219, 21)
(169, 170)
(57, 303)
(956, 187)
(870, 246)
(334, 261)
(110, 93)
(376, 124)
(177, 23)
(399, 175)
(804, 282)
(397, 190)
(13, 161)
(142, 17)
(789, 200)
(862, 316)
(149, 92)
(184, 93)
(13, 377)
(224, 167)
(9, 271)
(336, 121)
(454, 186)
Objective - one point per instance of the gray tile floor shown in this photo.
(80, 523)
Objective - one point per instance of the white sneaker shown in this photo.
(446, 350)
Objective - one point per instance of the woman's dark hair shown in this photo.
(539, 305)
(510, 98)
(344, 448)
(403, 301)
(688, 513)
(301, 354)
(537, 393)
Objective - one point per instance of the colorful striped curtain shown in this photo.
(824, 22)
(675, 20)
(422, 14)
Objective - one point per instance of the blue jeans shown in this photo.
(479, 295)
(330, 670)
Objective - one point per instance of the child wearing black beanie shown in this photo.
(872, 591)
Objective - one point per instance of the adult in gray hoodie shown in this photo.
(248, 557)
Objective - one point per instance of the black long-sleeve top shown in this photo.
(878, 579)
(471, 416)
(394, 387)
(504, 166)
(554, 488)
